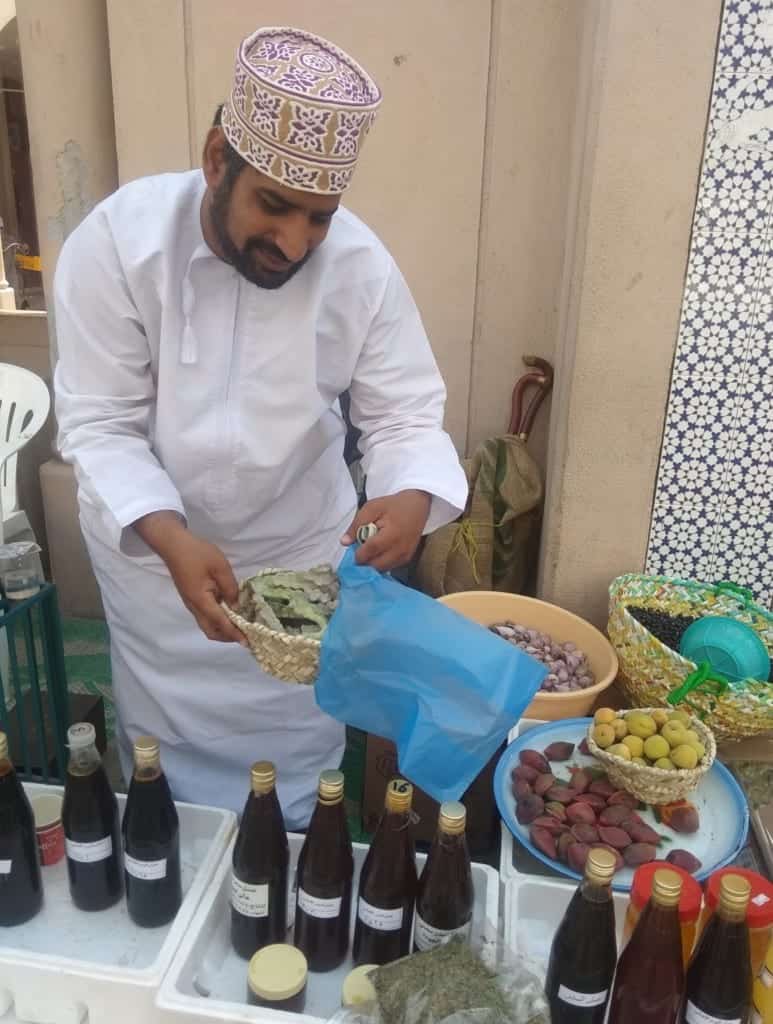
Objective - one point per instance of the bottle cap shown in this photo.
(399, 796)
(147, 751)
(600, 866)
(666, 887)
(453, 818)
(358, 989)
(277, 972)
(331, 786)
(760, 911)
(734, 893)
(81, 735)
(689, 902)
(3, 747)
(262, 777)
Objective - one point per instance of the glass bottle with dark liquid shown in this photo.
(445, 895)
(649, 983)
(260, 864)
(21, 889)
(719, 977)
(584, 951)
(92, 834)
(325, 870)
(151, 841)
(387, 890)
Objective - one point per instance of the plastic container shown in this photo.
(534, 908)
(489, 607)
(65, 966)
(277, 978)
(730, 647)
(206, 981)
(762, 1000)
(689, 905)
(759, 916)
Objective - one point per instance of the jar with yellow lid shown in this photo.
(759, 915)
(762, 1001)
(358, 990)
(276, 978)
(689, 904)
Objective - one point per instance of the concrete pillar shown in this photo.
(643, 101)
(66, 63)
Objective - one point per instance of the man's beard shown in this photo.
(242, 259)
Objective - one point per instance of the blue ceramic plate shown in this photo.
(723, 809)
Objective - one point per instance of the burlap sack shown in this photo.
(493, 545)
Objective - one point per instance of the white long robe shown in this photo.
(182, 386)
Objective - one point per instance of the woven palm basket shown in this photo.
(656, 785)
(649, 670)
(288, 657)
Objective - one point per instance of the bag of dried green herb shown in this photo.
(452, 984)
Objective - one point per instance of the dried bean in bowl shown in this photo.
(568, 667)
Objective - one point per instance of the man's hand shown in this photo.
(400, 519)
(200, 572)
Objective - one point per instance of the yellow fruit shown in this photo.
(604, 716)
(638, 760)
(620, 750)
(684, 756)
(656, 747)
(699, 749)
(635, 744)
(680, 716)
(641, 724)
(673, 732)
(691, 736)
(665, 762)
(604, 735)
(660, 717)
(621, 729)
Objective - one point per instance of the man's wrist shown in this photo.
(160, 530)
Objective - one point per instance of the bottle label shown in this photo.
(89, 853)
(145, 870)
(695, 1016)
(249, 900)
(568, 995)
(5, 867)
(316, 907)
(426, 936)
(379, 919)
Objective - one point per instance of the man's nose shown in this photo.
(293, 236)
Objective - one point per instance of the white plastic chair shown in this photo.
(24, 406)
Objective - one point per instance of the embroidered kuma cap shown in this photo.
(299, 109)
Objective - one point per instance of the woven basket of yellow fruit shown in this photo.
(655, 754)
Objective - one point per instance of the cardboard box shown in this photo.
(482, 816)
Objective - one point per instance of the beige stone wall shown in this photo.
(534, 172)
(641, 122)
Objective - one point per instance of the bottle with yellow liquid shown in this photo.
(762, 996)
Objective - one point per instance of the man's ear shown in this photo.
(213, 157)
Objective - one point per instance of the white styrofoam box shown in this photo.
(66, 963)
(507, 868)
(534, 908)
(207, 981)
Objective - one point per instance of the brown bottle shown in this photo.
(260, 860)
(445, 897)
(92, 835)
(151, 841)
(584, 951)
(650, 974)
(719, 978)
(387, 890)
(325, 870)
(21, 889)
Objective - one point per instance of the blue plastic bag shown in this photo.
(447, 691)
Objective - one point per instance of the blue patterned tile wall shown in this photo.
(712, 517)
